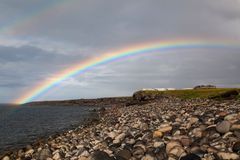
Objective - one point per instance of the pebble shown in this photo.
(148, 157)
(6, 158)
(44, 154)
(170, 129)
(100, 155)
(223, 127)
(126, 154)
(157, 134)
(236, 147)
(225, 155)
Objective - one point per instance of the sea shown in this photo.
(22, 125)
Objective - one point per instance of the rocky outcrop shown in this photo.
(141, 96)
(205, 87)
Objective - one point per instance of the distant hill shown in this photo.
(144, 96)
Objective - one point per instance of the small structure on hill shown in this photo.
(205, 87)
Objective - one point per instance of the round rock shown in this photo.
(223, 127)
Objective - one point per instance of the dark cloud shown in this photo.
(35, 48)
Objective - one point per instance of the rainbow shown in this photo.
(104, 58)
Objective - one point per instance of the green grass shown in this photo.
(191, 94)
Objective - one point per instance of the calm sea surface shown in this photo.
(22, 125)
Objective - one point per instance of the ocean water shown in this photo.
(22, 125)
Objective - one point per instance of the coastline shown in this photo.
(161, 129)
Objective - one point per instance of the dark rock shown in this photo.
(190, 156)
(160, 153)
(125, 154)
(236, 147)
(100, 155)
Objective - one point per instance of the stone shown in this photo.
(120, 137)
(144, 126)
(160, 153)
(223, 127)
(171, 145)
(236, 147)
(226, 155)
(177, 151)
(157, 134)
(158, 144)
(148, 157)
(193, 120)
(57, 156)
(29, 152)
(230, 117)
(197, 132)
(44, 154)
(165, 129)
(185, 140)
(126, 154)
(190, 156)
(235, 127)
(100, 155)
(6, 158)
(112, 134)
(138, 152)
(83, 158)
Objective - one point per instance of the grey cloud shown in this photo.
(93, 27)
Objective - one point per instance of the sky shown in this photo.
(40, 38)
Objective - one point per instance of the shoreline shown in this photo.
(166, 128)
(92, 117)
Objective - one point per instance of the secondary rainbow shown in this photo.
(89, 64)
(23, 23)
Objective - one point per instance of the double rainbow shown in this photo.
(89, 64)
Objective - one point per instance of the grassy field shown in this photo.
(217, 93)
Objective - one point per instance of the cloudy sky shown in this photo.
(39, 38)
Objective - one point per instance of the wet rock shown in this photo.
(223, 127)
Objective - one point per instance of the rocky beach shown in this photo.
(167, 128)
